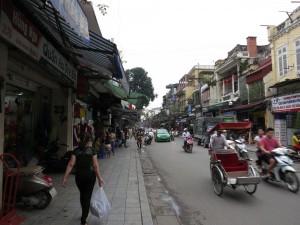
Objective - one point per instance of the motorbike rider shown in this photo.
(296, 141)
(267, 144)
(260, 135)
(185, 135)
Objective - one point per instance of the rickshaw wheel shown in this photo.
(250, 188)
(217, 181)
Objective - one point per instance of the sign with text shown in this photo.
(19, 31)
(287, 103)
(280, 131)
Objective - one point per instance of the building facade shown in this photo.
(284, 84)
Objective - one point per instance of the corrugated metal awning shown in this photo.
(100, 55)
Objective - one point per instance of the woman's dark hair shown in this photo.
(84, 139)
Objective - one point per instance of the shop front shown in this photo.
(36, 88)
(286, 110)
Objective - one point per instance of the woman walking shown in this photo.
(84, 158)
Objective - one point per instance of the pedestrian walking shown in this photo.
(130, 133)
(113, 142)
(84, 158)
(123, 138)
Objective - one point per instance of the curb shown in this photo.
(145, 209)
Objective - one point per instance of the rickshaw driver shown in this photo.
(218, 141)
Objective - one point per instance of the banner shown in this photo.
(71, 11)
(288, 103)
(19, 31)
(280, 131)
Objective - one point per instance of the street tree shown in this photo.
(102, 7)
(140, 82)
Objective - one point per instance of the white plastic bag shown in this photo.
(100, 205)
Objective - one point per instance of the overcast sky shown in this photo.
(168, 37)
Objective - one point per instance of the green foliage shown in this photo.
(140, 82)
(102, 7)
(243, 66)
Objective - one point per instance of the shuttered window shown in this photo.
(282, 60)
(297, 48)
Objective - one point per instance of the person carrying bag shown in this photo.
(100, 206)
(84, 158)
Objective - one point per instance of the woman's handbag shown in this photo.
(100, 206)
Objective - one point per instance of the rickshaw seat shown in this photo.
(230, 162)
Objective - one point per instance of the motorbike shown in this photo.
(148, 139)
(172, 135)
(283, 170)
(52, 160)
(240, 147)
(35, 189)
(189, 145)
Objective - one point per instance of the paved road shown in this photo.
(187, 177)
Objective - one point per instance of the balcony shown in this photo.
(231, 96)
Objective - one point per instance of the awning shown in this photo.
(126, 114)
(215, 106)
(231, 126)
(252, 106)
(100, 55)
(264, 68)
(134, 98)
(117, 91)
(285, 82)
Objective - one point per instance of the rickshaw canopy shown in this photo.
(231, 126)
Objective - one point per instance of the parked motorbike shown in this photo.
(53, 161)
(189, 145)
(283, 170)
(35, 189)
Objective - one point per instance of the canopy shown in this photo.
(134, 98)
(231, 126)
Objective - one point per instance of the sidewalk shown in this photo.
(124, 187)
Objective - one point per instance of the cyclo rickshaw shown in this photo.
(229, 167)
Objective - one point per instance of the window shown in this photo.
(256, 91)
(297, 48)
(282, 60)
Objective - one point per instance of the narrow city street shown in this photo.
(187, 178)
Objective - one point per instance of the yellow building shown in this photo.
(284, 91)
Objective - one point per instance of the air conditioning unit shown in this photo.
(243, 55)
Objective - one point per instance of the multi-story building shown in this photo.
(283, 86)
(198, 77)
(227, 86)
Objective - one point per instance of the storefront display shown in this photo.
(286, 110)
(18, 122)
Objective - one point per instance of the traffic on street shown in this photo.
(187, 177)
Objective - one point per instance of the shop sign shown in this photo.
(73, 14)
(229, 114)
(287, 103)
(280, 131)
(19, 31)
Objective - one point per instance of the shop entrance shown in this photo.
(18, 122)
